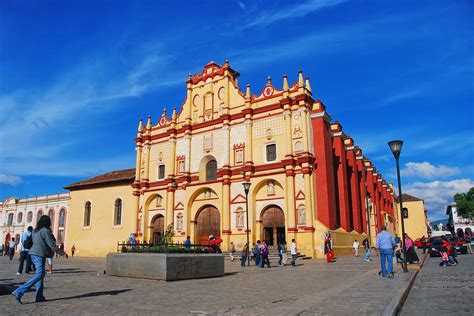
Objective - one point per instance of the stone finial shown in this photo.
(269, 81)
(247, 92)
(300, 78)
(148, 123)
(140, 125)
(173, 114)
(285, 83)
(164, 112)
(307, 85)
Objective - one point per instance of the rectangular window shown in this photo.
(271, 152)
(161, 171)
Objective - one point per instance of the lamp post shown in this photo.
(396, 147)
(246, 189)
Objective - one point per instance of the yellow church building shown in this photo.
(306, 175)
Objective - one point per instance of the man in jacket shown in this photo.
(24, 254)
(384, 244)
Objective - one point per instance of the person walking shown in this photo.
(256, 253)
(385, 243)
(11, 248)
(43, 246)
(284, 252)
(328, 251)
(355, 245)
(73, 249)
(232, 251)
(26, 243)
(187, 242)
(366, 245)
(293, 252)
(264, 255)
(280, 253)
(244, 256)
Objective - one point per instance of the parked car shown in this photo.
(435, 247)
(419, 243)
(458, 244)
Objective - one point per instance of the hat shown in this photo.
(211, 236)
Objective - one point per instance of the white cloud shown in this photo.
(11, 180)
(437, 194)
(427, 170)
(300, 9)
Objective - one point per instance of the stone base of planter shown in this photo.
(165, 266)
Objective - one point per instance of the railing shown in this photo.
(163, 248)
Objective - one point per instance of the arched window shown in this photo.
(38, 216)
(87, 214)
(51, 216)
(10, 219)
(62, 214)
(19, 218)
(211, 170)
(29, 217)
(118, 212)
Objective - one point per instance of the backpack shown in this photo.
(28, 242)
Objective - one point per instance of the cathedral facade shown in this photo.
(306, 175)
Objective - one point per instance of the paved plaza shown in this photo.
(442, 290)
(79, 285)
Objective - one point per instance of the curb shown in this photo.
(396, 303)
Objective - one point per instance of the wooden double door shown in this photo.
(208, 222)
(273, 222)
(158, 228)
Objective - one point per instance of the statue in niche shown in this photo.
(239, 218)
(271, 188)
(159, 200)
(179, 222)
(301, 215)
(207, 194)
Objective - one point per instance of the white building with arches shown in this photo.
(16, 214)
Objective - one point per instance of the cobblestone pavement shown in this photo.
(78, 285)
(443, 290)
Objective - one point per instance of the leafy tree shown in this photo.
(465, 203)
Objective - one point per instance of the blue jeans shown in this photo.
(386, 255)
(37, 280)
(367, 254)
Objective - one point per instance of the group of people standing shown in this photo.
(260, 253)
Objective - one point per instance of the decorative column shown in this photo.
(290, 202)
(169, 205)
(248, 128)
(354, 184)
(342, 185)
(136, 183)
(307, 199)
(362, 190)
(226, 231)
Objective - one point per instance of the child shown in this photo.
(444, 257)
(398, 253)
(355, 245)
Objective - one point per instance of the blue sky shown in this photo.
(76, 76)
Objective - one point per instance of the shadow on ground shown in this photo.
(91, 294)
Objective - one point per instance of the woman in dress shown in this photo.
(43, 246)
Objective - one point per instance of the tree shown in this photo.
(465, 203)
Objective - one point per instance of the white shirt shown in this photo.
(11, 244)
(355, 245)
(293, 248)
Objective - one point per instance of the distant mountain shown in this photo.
(439, 221)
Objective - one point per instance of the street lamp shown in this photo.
(246, 189)
(396, 147)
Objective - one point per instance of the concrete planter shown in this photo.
(165, 266)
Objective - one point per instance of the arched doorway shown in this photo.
(158, 228)
(208, 222)
(273, 222)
